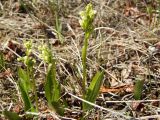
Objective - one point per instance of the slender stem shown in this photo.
(35, 93)
(34, 88)
(84, 59)
(28, 76)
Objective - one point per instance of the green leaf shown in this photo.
(93, 90)
(56, 92)
(25, 97)
(58, 107)
(11, 115)
(49, 83)
(53, 89)
(138, 89)
(24, 78)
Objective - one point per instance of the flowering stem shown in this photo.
(84, 59)
(30, 73)
(86, 23)
(34, 90)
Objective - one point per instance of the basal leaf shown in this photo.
(49, 83)
(58, 107)
(56, 92)
(11, 115)
(93, 89)
(53, 89)
(24, 78)
(25, 97)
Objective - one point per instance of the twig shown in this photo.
(102, 108)
(130, 101)
(149, 117)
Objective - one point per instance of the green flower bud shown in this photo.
(87, 18)
(46, 54)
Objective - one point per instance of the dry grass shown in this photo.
(119, 45)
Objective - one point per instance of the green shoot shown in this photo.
(27, 76)
(138, 88)
(52, 86)
(86, 23)
(54, 7)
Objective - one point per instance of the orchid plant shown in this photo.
(90, 94)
